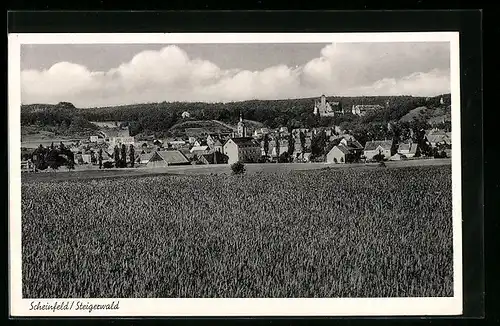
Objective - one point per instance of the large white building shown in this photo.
(362, 110)
(244, 149)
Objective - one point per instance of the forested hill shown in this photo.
(159, 117)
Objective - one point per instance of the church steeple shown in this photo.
(242, 130)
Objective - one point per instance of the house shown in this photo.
(362, 110)
(352, 145)
(408, 149)
(167, 158)
(176, 143)
(283, 147)
(284, 130)
(94, 139)
(260, 132)
(200, 142)
(213, 158)
(144, 158)
(438, 137)
(244, 149)
(215, 145)
(384, 147)
(186, 115)
(339, 154)
(199, 150)
(398, 157)
(324, 108)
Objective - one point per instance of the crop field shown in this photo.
(318, 233)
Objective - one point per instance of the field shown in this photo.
(319, 233)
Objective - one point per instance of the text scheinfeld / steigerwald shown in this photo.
(73, 305)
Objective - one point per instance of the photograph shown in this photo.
(165, 174)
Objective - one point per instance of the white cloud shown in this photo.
(170, 75)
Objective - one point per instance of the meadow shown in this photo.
(384, 232)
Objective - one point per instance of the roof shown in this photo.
(199, 149)
(410, 147)
(372, 145)
(244, 141)
(210, 158)
(438, 138)
(172, 157)
(343, 149)
(146, 157)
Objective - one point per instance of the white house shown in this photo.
(244, 149)
(362, 110)
(375, 147)
(186, 115)
(338, 154)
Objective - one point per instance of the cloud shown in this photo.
(171, 75)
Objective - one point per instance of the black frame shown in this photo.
(468, 23)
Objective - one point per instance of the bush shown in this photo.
(238, 167)
(107, 165)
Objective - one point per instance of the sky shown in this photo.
(118, 74)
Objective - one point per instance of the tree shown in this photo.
(132, 155)
(116, 156)
(291, 144)
(266, 144)
(238, 168)
(318, 144)
(99, 158)
(123, 162)
(277, 147)
(302, 138)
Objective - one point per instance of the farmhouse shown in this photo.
(167, 158)
(244, 149)
(352, 145)
(362, 110)
(383, 147)
(186, 115)
(408, 149)
(339, 154)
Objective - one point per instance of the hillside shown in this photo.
(431, 115)
(164, 119)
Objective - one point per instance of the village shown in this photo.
(113, 147)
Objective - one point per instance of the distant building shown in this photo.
(215, 142)
(324, 108)
(408, 149)
(94, 139)
(241, 129)
(436, 138)
(244, 149)
(167, 158)
(398, 157)
(339, 154)
(186, 115)
(362, 110)
(199, 150)
(375, 147)
(213, 158)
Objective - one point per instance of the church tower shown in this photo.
(242, 130)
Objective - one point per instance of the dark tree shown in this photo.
(277, 147)
(116, 156)
(238, 168)
(291, 144)
(302, 138)
(99, 158)
(266, 144)
(132, 155)
(318, 144)
(123, 156)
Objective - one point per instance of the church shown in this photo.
(324, 108)
(242, 148)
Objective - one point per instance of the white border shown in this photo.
(232, 307)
